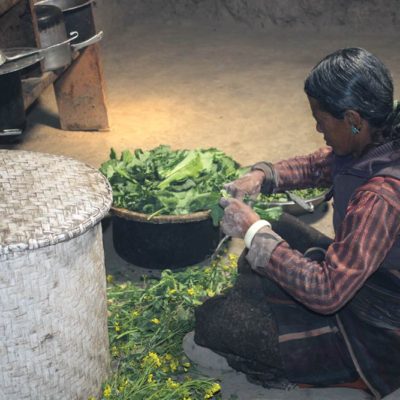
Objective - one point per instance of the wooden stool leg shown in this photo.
(80, 94)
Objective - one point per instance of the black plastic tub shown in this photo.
(163, 241)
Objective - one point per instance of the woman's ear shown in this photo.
(353, 119)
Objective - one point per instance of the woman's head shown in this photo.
(353, 85)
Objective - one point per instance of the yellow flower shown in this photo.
(168, 356)
(215, 388)
(107, 391)
(150, 378)
(173, 365)
(117, 327)
(152, 359)
(155, 321)
(114, 351)
(171, 291)
(123, 286)
(191, 292)
(172, 384)
(207, 270)
(232, 257)
(135, 313)
(110, 278)
(123, 385)
(210, 293)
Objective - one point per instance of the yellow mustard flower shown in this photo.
(114, 351)
(150, 378)
(135, 313)
(174, 365)
(232, 257)
(191, 292)
(172, 384)
(110, 278)
(216, 387)
(117, 328)
(168, 357)
(171, 291)
(123, 385)
(155, 321)
(210, 293)
(152, 359)
(107, 392)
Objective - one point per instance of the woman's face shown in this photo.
(337, 132)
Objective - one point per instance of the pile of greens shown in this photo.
(170, 182)
(147, 323)
(306, 194)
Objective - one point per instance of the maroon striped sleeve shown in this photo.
(313, 170)
(371, 225)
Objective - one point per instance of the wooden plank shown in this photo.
(32, 88)
(80, 94)
(5, 5)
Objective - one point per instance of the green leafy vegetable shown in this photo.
(170, 182)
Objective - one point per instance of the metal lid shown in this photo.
(67, 5)
(48, 16)
(17, 65)
(47, 199)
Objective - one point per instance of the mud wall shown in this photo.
(370, 15)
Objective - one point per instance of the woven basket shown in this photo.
(164, 241)
(54, 341)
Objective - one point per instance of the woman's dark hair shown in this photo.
(354, 79)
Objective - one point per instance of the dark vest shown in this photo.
(350, 174)
(371, 320)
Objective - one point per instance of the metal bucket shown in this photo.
(164, 241)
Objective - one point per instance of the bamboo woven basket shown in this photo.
(164, 241)
(54, 341)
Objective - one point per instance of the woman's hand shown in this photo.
(248, 184)
(238, 217)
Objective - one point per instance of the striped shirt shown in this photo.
(368, 231)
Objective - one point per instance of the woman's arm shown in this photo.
(313, 170)
(371, 226)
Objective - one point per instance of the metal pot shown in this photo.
(78, 16)
(12, 109)
(52, 31)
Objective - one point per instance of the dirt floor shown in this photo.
(192, 85)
